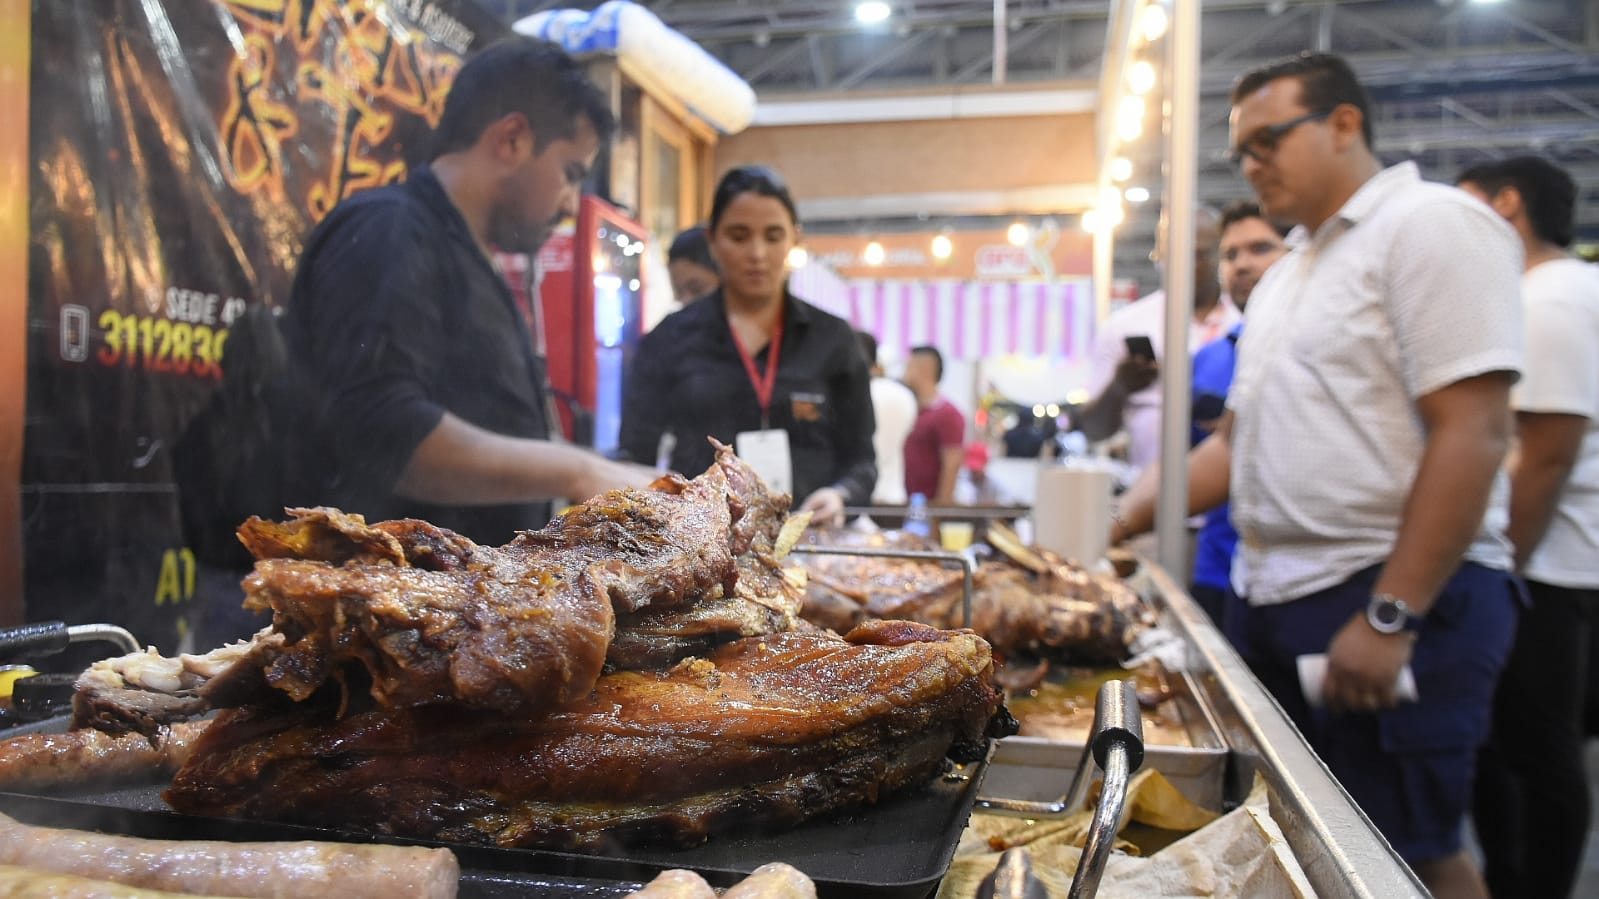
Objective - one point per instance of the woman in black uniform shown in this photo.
(756, 367)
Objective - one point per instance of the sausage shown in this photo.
(22, 883)
(773, 881)
(47, 761)
(246, 870)
(675, 885)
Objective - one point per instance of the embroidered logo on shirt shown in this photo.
(807, 406)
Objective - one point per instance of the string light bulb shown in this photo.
(874, 254)
(943, 247)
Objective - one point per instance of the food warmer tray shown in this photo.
(1040, 769)
(898, 849)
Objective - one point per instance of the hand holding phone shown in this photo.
(1139, 346)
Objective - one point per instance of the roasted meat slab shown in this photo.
(1042, 607)
(432, 617)
(771, 730)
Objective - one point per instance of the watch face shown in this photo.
(1387, 613)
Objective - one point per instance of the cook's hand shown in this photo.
(601, 474)
(1135, 373)
(1363, 666)
(826, 506)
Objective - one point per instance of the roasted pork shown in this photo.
(765, 730)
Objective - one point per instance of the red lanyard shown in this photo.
(764, 385)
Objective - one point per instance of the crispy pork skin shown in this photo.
(766, 731)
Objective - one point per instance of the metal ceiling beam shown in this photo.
(882, 59)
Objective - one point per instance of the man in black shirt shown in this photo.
(432, 402)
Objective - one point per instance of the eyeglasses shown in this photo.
(1260, 145)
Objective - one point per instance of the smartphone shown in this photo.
(1139, 345)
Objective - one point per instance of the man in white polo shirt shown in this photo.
(1366, 427)
(1531, 807)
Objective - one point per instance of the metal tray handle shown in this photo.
(1118, 747)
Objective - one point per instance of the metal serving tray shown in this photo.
(898, 849)
(1040, 770)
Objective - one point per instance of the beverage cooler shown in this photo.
(591, 290)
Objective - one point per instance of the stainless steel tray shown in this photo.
(1040, 770)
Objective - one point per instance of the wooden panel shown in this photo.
(917, 157)
(15, 36)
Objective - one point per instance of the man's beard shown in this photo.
(512, 234)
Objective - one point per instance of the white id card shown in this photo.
(767, 453)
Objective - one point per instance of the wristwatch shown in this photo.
(1390, 615)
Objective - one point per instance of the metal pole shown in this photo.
(1182, 164)
(1001, 33)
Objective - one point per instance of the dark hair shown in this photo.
(526, 75)
(937, 357)
(691, 245)
(755, 179)
(1239, 210)
(1547, 192)
(868, 346)
(1325, 82)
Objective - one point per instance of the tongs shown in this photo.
(50, 637)
(966, 559)
(1116, 744)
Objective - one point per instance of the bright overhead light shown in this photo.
(1141, 77)
(1152, 22)
(943, 247)
(1018, 234)
(1053, 410)
(874, 253)
(1137, 195)
(1121, 168)
(797, 257)
(1038, 411)
(872, 12)
(1130, 118)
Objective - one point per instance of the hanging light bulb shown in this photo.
(1130, 118)
(1141, 77)
(1137, 195)
(872, 12)
(1152, 21)
(943, 247)
(1018, 234)
(1121, 169)
(874, 254)
(797, 257)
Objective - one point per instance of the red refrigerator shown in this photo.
(591, 295)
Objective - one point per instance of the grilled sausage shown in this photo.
(248, 870)
(47, 761)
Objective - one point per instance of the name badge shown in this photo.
(767, 453)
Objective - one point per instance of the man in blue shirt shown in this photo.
(1249, 245)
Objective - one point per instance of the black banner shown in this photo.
(180, 152)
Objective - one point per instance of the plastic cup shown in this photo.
(955, 535)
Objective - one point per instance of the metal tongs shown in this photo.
(50, 637)
(1116, 744)
(966, 559)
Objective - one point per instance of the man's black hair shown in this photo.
(868, 346)
(1325, 82)
(526, 75)
(937, 357)
(1239, 210)
(691, 245)
(1547, 192)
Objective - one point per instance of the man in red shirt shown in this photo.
(933, 452)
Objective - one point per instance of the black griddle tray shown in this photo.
(898, 849)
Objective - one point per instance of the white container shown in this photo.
(1071, 514)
